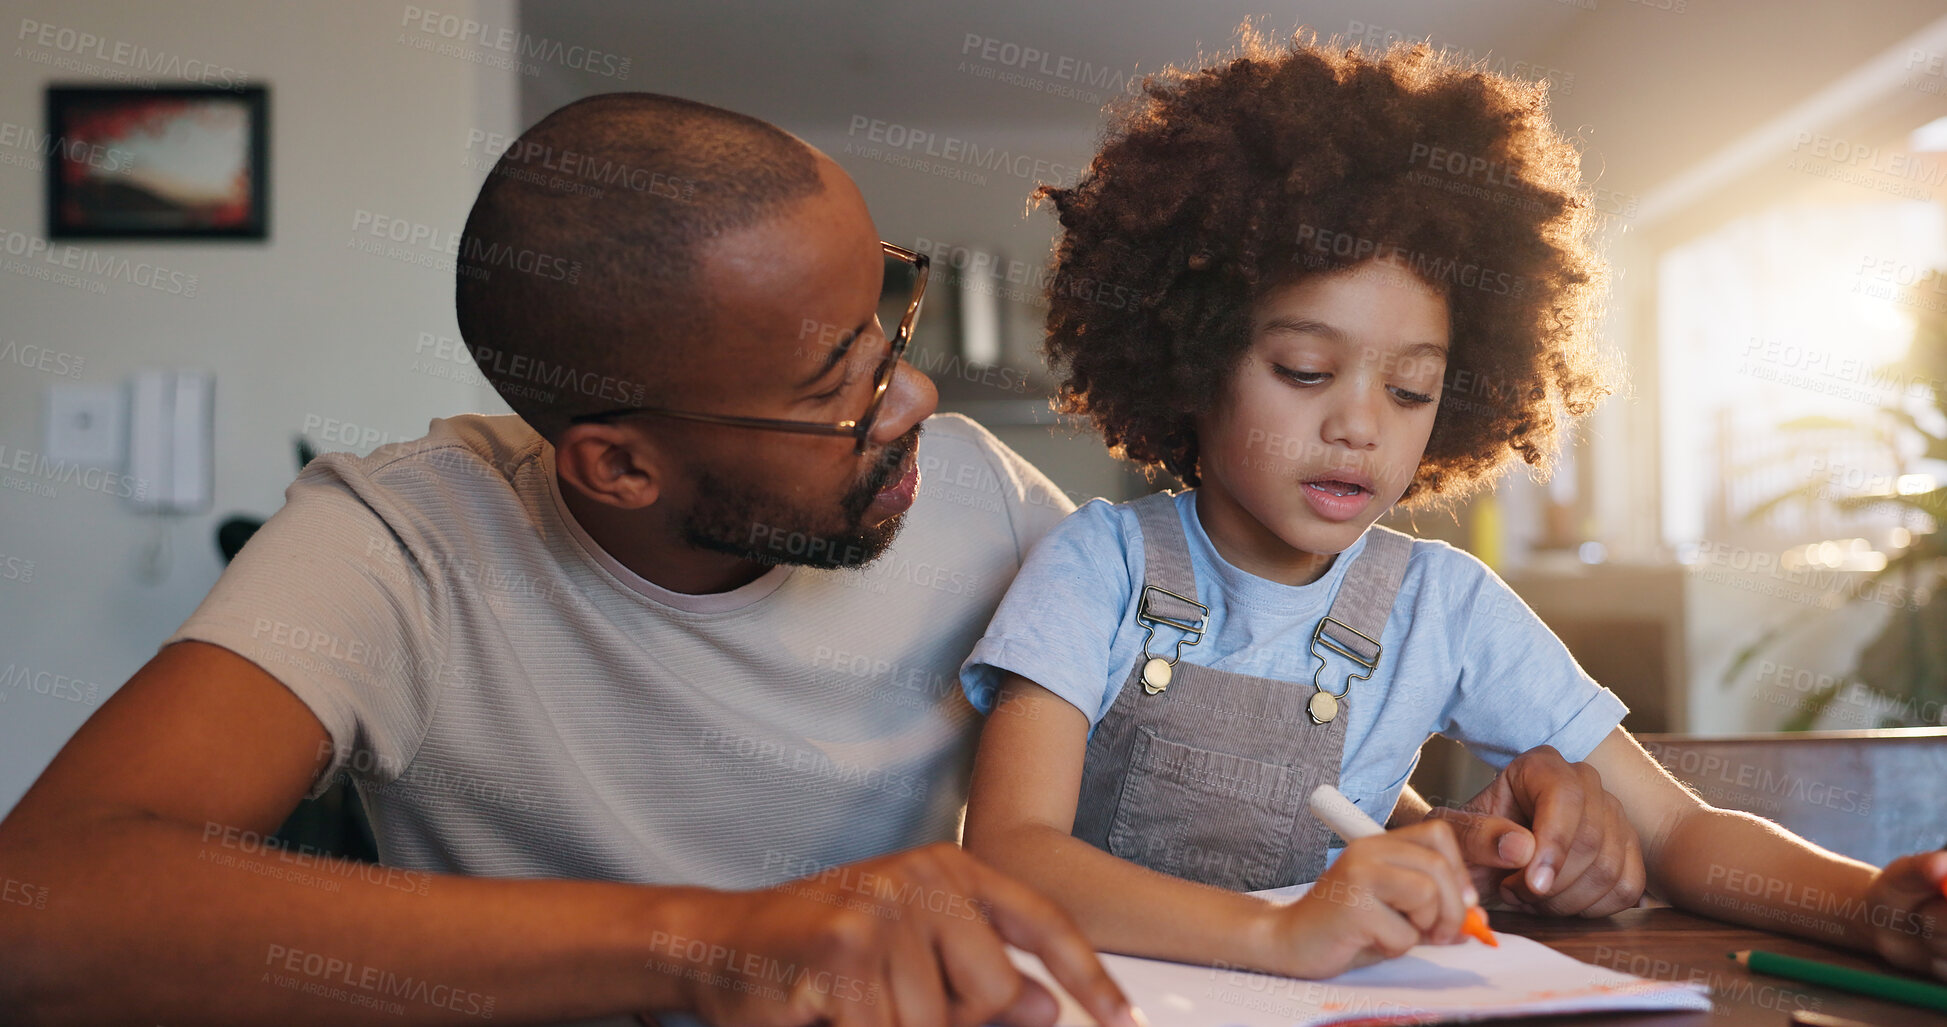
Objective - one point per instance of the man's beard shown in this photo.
(753, 524)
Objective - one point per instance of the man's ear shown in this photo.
(613, 465)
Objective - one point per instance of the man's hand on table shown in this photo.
(1546, 838)
(912, 938)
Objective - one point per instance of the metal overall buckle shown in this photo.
(1156, 670)
(1324, 705)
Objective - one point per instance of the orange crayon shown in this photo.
(1476, 926)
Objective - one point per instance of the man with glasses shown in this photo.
(683, 626)
(873, 508)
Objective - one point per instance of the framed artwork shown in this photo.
(165, 163)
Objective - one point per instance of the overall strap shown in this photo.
(1166, 561)
(1365, 599)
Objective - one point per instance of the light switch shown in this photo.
(86, 423)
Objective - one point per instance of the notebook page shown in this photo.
(1428, 984)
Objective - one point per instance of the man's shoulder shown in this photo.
(462, 454)
(462, 444)
(962, 434)
(466, 473)
(968, 455)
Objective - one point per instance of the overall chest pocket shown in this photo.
(1207, 816)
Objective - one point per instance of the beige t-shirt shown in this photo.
(511, 701)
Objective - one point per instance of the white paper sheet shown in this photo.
(1431, 983)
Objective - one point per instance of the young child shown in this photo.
(1358, 281)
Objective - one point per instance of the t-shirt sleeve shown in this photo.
(1519, 687)
(326, 600)
(1057, 624)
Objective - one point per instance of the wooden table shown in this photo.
(1671, 945)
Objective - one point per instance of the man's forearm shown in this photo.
(140, 920)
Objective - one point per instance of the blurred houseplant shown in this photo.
(1903, 669)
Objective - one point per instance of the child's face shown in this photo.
(1325, 419)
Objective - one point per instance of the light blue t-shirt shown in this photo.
(1463, 655)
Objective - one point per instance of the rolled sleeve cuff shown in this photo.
(992, 658)
(1590, 725)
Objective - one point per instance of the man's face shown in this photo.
(797, 337)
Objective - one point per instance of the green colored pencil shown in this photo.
(1863, 982)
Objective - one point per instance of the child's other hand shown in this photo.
(1384, 895)
(1908, 913)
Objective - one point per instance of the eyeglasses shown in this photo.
(861, 428)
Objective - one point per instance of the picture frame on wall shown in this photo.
(163, 163)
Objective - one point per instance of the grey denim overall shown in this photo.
(1207, 777)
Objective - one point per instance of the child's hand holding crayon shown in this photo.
(1385, 894)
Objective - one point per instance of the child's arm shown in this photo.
(1384, 895)
(1742, 868)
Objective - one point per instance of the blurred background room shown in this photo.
(1742, 541)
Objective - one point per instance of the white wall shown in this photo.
(300, 325)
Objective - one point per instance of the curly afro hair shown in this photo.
(1219, 184)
